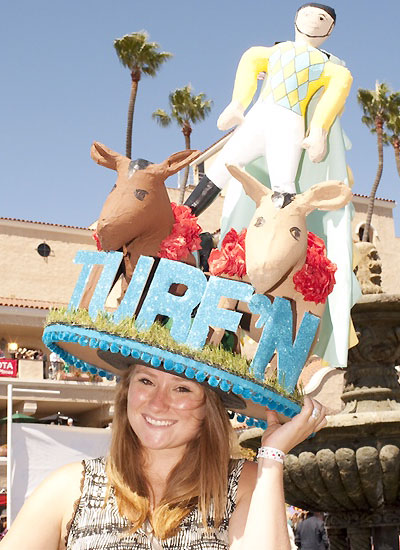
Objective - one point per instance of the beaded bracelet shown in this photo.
(270, 452)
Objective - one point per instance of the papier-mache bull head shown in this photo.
(138, 206)
(281, 230)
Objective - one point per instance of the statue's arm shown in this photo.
(252, 62)
(337, 81)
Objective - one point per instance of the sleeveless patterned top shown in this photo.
(98, 527)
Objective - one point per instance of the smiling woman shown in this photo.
(168, 477)
(164, 432)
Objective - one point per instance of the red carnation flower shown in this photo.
(184, 237)
(231, 259)
(316, 279)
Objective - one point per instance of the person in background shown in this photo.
(311, 533)
(3, 526)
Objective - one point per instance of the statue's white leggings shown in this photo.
(270, 130)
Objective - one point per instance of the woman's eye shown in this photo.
(145, 381)
(183, 389)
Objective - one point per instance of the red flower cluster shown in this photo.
(231, 259)
(185, 235)
(316, 278)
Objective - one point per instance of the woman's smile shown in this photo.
(158, 422)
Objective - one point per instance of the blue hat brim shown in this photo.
(107, 355)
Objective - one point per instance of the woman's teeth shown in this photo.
(155, 422)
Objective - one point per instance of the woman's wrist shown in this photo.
(271, 453)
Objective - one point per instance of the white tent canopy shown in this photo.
(39, 449)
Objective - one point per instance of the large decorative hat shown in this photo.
(175, 317)
(107, 344)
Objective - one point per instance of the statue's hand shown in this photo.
(315, 144)
(231, 116)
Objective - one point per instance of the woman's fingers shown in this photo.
(311, 419)
(322, 421)
(312, 411)
(316, 418)
(317, 412)
(272, 417)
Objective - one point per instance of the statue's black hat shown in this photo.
(330, 11)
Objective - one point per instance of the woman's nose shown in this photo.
(160, 400)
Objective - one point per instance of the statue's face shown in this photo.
(314, 22)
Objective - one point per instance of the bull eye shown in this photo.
(295, 232)
(259, 222)
(140, 194)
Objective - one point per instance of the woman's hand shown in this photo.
(286, 436)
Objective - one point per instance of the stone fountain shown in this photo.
(351, 469)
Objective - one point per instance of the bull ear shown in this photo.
(328, 195)
(104, 156)
(177, 161)
(253, 188)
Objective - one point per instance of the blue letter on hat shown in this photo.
(89, 258)
(159, 301)
(210, 315)
(277, 334)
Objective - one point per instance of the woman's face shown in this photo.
(165, 411)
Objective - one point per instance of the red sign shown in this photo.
(8, 367)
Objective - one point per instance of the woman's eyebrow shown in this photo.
(143, 372)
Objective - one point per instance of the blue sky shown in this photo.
(63, 87)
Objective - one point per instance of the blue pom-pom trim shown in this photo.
(103, 345)
(193, 369)
(155, 361)
(190, 373)
(201, 376)
(114, 348)
(146, 357)
(125, 351)
(225, 386)
(169, 364)
(179, 369)
(93, 342)
(250, 421)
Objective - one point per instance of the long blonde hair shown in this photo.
(200, 478)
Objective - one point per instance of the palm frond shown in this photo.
(161, 117)
(136, 53)
(186, 108)
(379, 104)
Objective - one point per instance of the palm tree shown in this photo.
(186, 109)
(393, 125)
(141, 57)
(376, 108)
